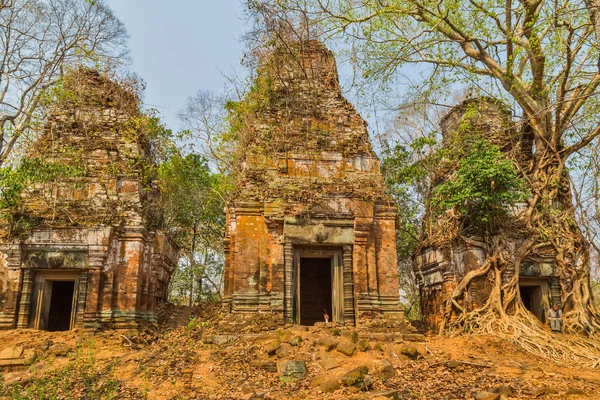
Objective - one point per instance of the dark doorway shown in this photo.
(61, 304)
(532, 297)
(315, 289)
(526, 296)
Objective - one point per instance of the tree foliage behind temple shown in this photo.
(193, 202)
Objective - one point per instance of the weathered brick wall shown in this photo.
(308, 182)
(105, 213)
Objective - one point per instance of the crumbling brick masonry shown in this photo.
(311, 228)
(83, 249)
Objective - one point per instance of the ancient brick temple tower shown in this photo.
(441, 264)
(311, 227)
(81, 248)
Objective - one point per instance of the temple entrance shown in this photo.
(315, 289)
(54, 300)
(61, 305)
(535, 296)
(318, 286)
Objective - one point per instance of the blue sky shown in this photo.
(181, 46)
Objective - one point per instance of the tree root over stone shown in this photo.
(505, 315)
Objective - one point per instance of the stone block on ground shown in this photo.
(363, 345)
(414, 337)
(328, 342)
(503, 390)
(483, 395)
(349, 335)
(330, 385)
(296, 340)
(265, 365)
(11, 352)
(541, 392)
(29, 356)
(388, 394)
(253, 396)
(284, 335)
(454, 364)
(60, 349)
(334, 332)
(298, 328)
(44, 345)
(328, 362)
(12, 362)
(284, 350)
(272, 346)
(410, 351)
(358, 378)
(346, 348)
(383, 369)
(291, 370)
(220, 340)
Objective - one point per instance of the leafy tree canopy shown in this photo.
(483, 187)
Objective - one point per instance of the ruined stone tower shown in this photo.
(444, 258)
(81, 248)
(310, 228)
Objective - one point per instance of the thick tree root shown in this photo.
(504, 315)
(526, 332)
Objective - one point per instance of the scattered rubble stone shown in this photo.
(541, 392)
(29, 356)
(413, 337)
(349, 335)
(328, 342)
(328, 362)
(358, 378)
(383, 369)
(367, 382)
(265, 365)
(253, 396)
(11, 353)
(363, 345)
(483, 395)
(284, 350)
(410, 352)
(60, 349)
(296, 340)
(44, 345)
(503, 390)
(389, 394)
(453, 364)
(271, 347)
(284, 335)
(334, 332)
(346, 348)
(330, 385)
(222, 339)
(291, 370)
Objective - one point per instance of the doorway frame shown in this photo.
(334, 253)
(546, 294)
(42, 290)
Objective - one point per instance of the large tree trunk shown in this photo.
(594, 8)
